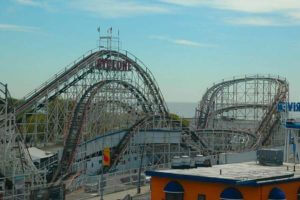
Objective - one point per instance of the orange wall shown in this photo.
(290, 189)
(213, 190)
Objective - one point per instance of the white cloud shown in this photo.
(17, 28)
(103, 8)
(44, 4)
(118, 8)
(182, 42)
(187, 43)
(253, 6)
(28, 2)
(184, 2)
(254, 21)
(258, 6)
(294, 15)
(35, 3)
(288, 11)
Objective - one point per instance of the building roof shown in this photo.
(248, 173)
(37, 154)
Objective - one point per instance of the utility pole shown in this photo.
(140, 169)
(101, 189)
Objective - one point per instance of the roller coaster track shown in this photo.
(117, 152)
(51, 85)
(120, 148)
(269, 118)
(61, 82)
(229, 131)
(142, 125)
(75, 130)
(77, 122)
(15, 157)
(240, 106)
(155, 105)
(206, 111)
(194, 141)
(77, 71)
(49, 88)
(207, 99)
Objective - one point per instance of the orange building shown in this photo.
(243, 181)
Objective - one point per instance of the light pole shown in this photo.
(140, 169)
(101, 182)
(102, 171)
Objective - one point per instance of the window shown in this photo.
(174, 196)
(232, 194)
(201, 197)
(277, 194)
(174, 191)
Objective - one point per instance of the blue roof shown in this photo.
(276, 194)
(173, 187)
(232, 194)
(295, 125)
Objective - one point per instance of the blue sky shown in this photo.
(187, 44)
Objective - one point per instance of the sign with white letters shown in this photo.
(288, 106)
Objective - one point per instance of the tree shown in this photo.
(185, 123)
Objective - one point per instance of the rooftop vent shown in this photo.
(183, 162)
(201, 161)
(270, 157)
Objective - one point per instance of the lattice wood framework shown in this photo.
(246, 105)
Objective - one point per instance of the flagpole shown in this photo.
(118, 40)
(98, 29)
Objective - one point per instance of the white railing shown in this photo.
(251, 76)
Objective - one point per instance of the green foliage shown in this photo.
(185, 123)
(14, 101)
(36, 121)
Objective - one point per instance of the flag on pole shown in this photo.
(109, 31)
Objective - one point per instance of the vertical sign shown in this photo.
(106, 156)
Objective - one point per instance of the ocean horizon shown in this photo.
(183, 109)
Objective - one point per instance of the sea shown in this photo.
(183, 109)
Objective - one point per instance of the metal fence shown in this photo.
(112, 182)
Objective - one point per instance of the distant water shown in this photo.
(183, 109)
